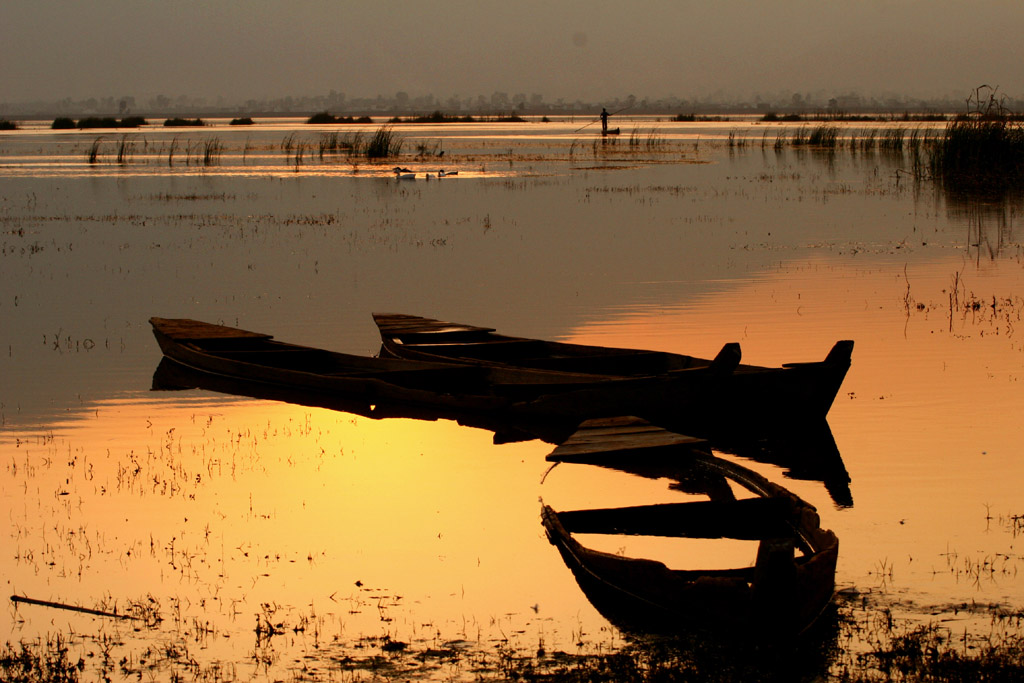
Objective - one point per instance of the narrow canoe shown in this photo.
(747, 395)
(258, 357)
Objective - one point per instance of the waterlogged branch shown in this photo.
(71, 608)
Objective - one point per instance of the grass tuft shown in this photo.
(982, 150)
(384, 143)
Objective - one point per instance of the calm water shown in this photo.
(228, 514)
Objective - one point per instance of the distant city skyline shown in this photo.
(593, 51)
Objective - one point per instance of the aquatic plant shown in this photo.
(133, 122)
(92, 155)
(326, 118)
(436, 117)
(6, 124)
(212, 148)
(383, 143)
(170, 152)
(41, 662)
(97, 122)
(824, 135)
(981, 150)
(62, 123)
(425, 148)
(244, 121)
(173, 122)
(124, 150)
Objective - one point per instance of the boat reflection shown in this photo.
(171, 375)
(807, 453)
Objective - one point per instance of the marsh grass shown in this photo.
(242, 121)
(425, 148)
(6, 124)
(172, 149)
(384, 143)
(125, 149)
(62, 123)
(212, 149)
(42, 662)
(982, 150)
(93, 153)
(825, 135)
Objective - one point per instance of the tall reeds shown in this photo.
(982, 150)
(93, 153)
(212, 148)
(383, 143)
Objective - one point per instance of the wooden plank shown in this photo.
(183, 329)
(401, 324)
(751, 519)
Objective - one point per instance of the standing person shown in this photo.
(604, 121)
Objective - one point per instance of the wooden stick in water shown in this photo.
(71, 608)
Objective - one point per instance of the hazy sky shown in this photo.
(50, 49)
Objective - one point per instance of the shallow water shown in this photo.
(229, 514)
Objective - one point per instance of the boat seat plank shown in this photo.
(400, 324)
(752, 519)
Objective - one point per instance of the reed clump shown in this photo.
(97, 122)
(212, 149)
(327, 118)
(982, 150)
(824, 135)
(6, 124)
(242, 121)
(62, 123)
(175, 122)
(384, 143)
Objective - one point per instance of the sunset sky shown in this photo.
(572, 49)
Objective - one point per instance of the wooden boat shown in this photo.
(610, 131)
(748, 395)
(789, 585)
(257, 357)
